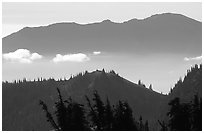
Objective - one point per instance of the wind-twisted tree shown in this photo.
(70, 115)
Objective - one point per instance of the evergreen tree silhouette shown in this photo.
(108, 116)
(179, 116)
(139, 82)
(78, 120)
(61, 113)
(123, 118)
(197, 114)
(103, 71)
(113, 72)
(146, 126)
(97, 112)
(70, 115)
(150, 87)
(49, 116)
(163, 125)
(141, 126)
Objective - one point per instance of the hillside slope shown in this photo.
(22, 112)
(20, 100)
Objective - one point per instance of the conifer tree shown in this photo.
(49, 116)
(108, 116)
(146, 126)
(179, 116)
(123, 118)
(150, 86)
(70, 115)
(139, 82)
(197, 114)
(97, 112)
(141, 126)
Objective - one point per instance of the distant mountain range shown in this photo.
(21, 110)
(168, 33)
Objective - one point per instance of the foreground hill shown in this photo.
(20, 100)
(111, 85)
(188, 87)
(185, 89)
(168, 33)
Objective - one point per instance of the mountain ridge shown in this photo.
(166, 32)
(108, 20)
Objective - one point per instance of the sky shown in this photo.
(17, 64)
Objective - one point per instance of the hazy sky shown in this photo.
(160, 70)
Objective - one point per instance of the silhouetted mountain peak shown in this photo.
(101, 79)
(107, 21)
(169, 16)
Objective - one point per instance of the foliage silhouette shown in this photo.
(197, 114)
(49, 116)
(109, 118)
(164, 126)
(70, 115)
(179, 116)
(185, 116)
(123, 118)
(103, 117)
(97, 112)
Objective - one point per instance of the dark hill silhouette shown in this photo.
(185, 89)
(20, 109)
(173, 33)
(111, 85)
(188, 87)
(22, 98)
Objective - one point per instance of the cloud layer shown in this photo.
(22, 56)
(25, 56)
(193, 58)
(79, 57)
(96, 52)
